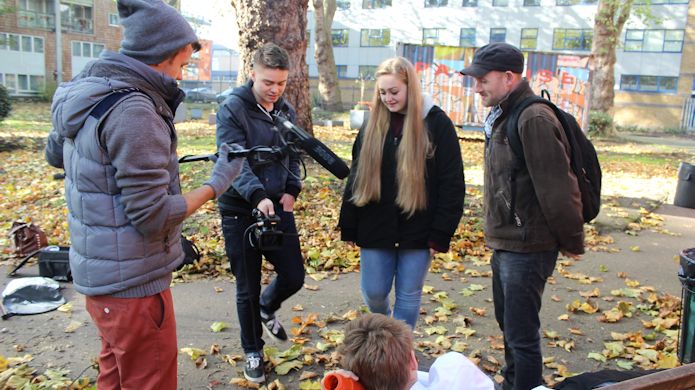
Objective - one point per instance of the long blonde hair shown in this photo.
(413, 151)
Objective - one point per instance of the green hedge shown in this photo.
(5, 103)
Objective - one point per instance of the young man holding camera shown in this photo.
(271, 186)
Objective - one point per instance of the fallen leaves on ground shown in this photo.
(631, 171)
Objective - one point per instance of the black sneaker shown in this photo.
(273, 327)
(253, 370)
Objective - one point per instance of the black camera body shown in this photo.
(266, 234)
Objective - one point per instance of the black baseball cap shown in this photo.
(498, 56)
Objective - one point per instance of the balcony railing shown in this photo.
(33, 19)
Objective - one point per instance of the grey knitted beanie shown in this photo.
(152, 30)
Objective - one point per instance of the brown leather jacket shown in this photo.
(548, 203)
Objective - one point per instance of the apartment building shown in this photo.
(655, 66)
(28, 41)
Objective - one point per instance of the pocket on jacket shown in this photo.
(499, 224)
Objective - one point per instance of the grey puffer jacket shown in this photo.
(121, 177)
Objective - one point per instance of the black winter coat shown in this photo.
(383, 224)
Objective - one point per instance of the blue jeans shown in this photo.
(518, 281)
(246, 267)
(379, 267)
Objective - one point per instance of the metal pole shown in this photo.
(59, 42)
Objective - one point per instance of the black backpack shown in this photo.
(584, 161)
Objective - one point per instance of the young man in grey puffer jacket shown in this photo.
(123, 193)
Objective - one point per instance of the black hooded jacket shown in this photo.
(243, 121)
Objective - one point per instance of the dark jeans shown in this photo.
(246, 267)
(518, 281)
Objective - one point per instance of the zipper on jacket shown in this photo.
(263, 110)
(517, 220)
(166, 243)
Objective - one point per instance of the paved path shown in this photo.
(198, 305)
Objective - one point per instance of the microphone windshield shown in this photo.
(317, 150)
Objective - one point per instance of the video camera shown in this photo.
(266, 234)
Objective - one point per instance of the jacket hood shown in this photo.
(74, 100)
(245, 93)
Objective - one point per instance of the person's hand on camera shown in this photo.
(225, 171)
(266, 207)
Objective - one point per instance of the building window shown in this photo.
(432, 36)
(655, 41)
(26, 44)
(38, 45)
(11, 83)
(469, 3)
(572, 39)
(86, 49)
(114, 20)
(467, 38)
(370, 4)
(366, 72)
(341, 70)
(529, 39)
(532, 3)
(575, 2)
(22, 84)
(340, 37)
(77, 18)
(643, 83)
(375, 37)
(500, 3)
(343, 4)
(23, 43)
(436, 3)
(498, 34)
(13, 42)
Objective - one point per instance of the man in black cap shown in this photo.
(123, 192)
(526, 226)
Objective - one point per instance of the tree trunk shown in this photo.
(611, 16)
(329, 89)
(284, 23)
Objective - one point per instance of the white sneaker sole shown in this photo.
(254, 380)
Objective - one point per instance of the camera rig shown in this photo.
(267, 236)
(294, 141)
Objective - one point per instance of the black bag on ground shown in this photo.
(54, 263)
(584, 160)
(190, 252)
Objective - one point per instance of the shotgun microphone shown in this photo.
(316, 149)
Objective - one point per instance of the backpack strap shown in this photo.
(512, 133)
(104, 106)
(109, 101)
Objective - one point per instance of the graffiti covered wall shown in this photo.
(566, 78)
